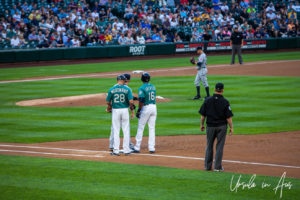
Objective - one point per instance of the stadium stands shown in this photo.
(73, 23)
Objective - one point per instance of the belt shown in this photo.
(149, 104)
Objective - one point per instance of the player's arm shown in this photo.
(108, 102)
(202, 122)
(141, 104)
(109, 108)
(200, 61)
(131, 104)
(142, 98)
(132, 108)
(229, 121)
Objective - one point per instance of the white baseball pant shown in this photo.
(120, 118)
(148, 114)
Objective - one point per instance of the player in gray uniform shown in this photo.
(202, 73)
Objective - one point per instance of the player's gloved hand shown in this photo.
(192, 60)
(135, 99)
(138, 113)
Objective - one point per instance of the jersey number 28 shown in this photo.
(119, 98)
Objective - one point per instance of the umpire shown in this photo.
(236, 43)
(218, 113)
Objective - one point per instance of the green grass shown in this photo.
(260, 105)
(19, 73)
(48, 178)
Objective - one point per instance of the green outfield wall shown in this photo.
(31, 55)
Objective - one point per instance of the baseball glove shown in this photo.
(192, 60)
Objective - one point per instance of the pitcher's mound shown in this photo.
(74, 101)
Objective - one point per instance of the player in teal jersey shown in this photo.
(146, 113)
(119, 98)
(111, 138)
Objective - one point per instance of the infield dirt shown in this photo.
(263, 153)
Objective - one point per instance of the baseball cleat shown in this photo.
(131, 146)
(111, 149)
(135, 151)
(151, 152)
(114, 154)
(196, 98)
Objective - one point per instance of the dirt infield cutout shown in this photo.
(75, 101)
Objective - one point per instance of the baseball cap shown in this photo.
(121, 77)
(219, 86)
(127, 76)
(199, 48)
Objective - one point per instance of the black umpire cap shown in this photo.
(127, 76)
(121, 77)
(219, 87)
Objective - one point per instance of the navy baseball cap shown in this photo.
(121, 77)
(199, 48)
(127, 76)
(219, 87)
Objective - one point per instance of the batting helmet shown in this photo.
(145, 77)
(127, 76)
(121, 77)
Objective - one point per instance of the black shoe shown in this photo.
(114, 154)
(151, 152)
(135, 151)
(131, 146)
(219, 170)
(196, 98)
(111, 149)
(209, 169)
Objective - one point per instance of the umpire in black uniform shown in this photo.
(236, 43)
(217, 112)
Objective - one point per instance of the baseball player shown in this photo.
(111, 138)
(146, 113)
(118, 100)
(202, 72)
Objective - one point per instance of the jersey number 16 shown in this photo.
(151, 96)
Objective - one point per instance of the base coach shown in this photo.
(217, 112)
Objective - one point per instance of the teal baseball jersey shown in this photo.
(119, 96)
(148, 91)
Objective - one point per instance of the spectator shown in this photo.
(224, 7)
(156, 37)
(32, 36)
(292, 32)
(140, 39)
(292, 15)
(122, 39)
(15, 41)
(270, 8)
(75, 42)
(129, 39)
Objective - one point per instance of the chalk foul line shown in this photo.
(138, 154)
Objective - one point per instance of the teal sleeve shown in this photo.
(130, 96)
(108, 98)
(141, 93)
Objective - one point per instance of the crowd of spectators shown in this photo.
(74, 23)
